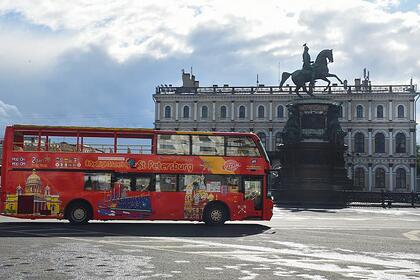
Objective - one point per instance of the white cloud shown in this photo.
(162, 28)
(8, 111)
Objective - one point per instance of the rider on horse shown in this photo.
(307, 63)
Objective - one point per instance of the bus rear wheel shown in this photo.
(215, 215)
(79, 213)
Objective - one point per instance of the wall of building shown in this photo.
(263, 117)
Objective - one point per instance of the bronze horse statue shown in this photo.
(319, 71)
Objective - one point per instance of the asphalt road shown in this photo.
(356, 243)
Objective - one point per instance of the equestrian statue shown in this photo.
(311, 71)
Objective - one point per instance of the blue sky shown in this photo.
(98, 62)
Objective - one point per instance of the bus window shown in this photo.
(166, 183)
(191, 182)
(233, 183)
(97, 181)
(143, 183)
(210, 183)
(241, 146)
(173, 144)
(62, 144)
(208, 145)
(98, 145)
(134, 145)
(134, 182)
(30, 143)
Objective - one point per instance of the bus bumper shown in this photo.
(268, 209)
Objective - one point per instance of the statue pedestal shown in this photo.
(312, 156)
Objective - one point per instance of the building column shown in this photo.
(232, 111)
(391, 182)
(370, 110)
(412, 142)
(214, 110)
(349, 143)
(412, 111)
(370, 141)
(391, 147)
(391, 114)
(270, 111)
(270, 140)
(349, 110)
(195, 110)
(370, 186)
(412, 177)
(176, 110)
(251, 110)
(157, 110)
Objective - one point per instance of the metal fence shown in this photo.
(386, 199)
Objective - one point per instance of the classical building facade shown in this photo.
(379, 121)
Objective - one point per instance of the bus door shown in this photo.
(252, 186)
(169, 202)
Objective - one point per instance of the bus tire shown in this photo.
(79, 213)
(215, 214)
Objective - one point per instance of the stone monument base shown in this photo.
(312, 156)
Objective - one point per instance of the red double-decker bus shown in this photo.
(83, 173)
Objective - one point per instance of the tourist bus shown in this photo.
(84, 173)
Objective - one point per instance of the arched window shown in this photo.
(401, 178)
(400, 111)
(359, 111)
(359, 178)
(186, 112)
(379, 143)
(204, 112)
(261, 112)
(359, 143)
(278, 140)
(242, 112)
(263, 138)
(340, 111)
(223, 112)
(380, 178)
(380, 111)
(400, 143)
(167, 112)
(280, 112)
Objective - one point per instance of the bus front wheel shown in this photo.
(79, 213)
(215, 215)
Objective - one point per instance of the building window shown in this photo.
(380, 178)
(242, 112)
(340, 111)
(261, 112)
(380, 112)
(400, 111)
(186, 112)
(204, 112)
(359, 111)
(401, 178)
(379, 143)
(400, 143)
(280, 112)
(223, 112)
(359, 178)
(263, 138)
(167, 112)
(278, 140)
(359, 142)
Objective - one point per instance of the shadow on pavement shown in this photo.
(102, 229)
